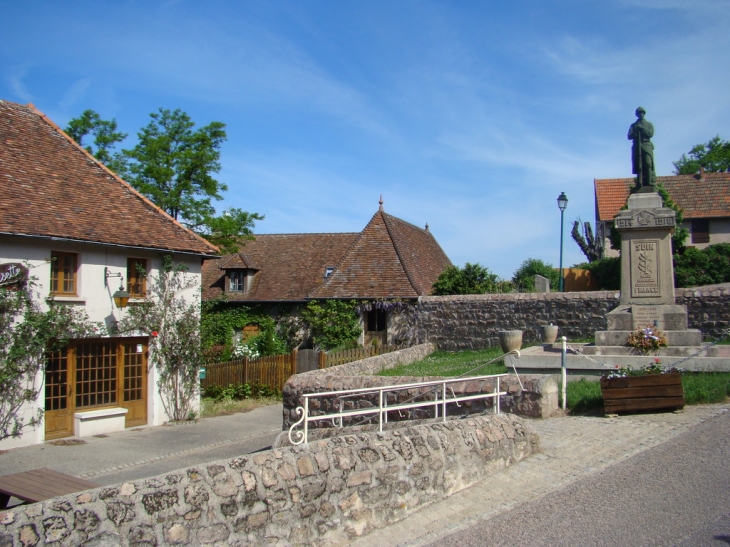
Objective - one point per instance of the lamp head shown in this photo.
(562, 201)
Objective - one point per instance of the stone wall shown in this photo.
(539, 398)
(323, 493)
(473, 321)
(708, 309)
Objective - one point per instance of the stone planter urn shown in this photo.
(549, 333)
(510, 340)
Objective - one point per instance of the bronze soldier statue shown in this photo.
(642, 151)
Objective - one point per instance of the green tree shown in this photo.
(471, 279)
(106, 137)
(173, 165)
(714, 157)
(228, 230)
(524, 276)
(174, 324)
(27, 333)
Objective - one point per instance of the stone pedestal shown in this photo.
(647, 276)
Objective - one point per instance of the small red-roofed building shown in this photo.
(81, 231)
(391, 259)
(704, 199)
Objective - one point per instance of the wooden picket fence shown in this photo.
(275, 370)
(350, 355)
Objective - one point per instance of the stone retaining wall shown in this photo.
(325, 493)
(538, 400)
(473, 321)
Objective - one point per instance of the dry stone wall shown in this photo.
(473, 321)
(323, 493)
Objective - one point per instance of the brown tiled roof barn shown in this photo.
(390, 258)
(51, 187)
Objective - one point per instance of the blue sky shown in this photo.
(469, 116)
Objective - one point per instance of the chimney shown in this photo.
(702, 174)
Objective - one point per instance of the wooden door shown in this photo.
(133, 359)
(59, 400)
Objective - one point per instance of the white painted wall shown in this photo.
(93, 296)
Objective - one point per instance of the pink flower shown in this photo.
(154, 333)
(657, 360)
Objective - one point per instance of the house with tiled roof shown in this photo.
(389, 259)
(83, 233)
(704, 199)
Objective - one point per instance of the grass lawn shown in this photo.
(583, 396)
(699, 388)
(452, 364)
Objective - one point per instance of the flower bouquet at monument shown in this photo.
(647, 339)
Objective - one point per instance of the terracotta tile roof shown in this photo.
(289, 265)
(390, 258)
(239, 261)
(51, 187)
(708, 198)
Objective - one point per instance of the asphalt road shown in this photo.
(677, 493)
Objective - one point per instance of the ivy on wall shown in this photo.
(333, 323)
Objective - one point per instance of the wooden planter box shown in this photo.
(648, 392)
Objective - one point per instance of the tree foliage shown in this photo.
(174, 325)
(172, 164)
(106, 137)
(471, 279)
(524, 276)
(27, 332)
(714, 157)
(333, 323)
(680, 234)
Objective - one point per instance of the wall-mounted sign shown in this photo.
(13, 275)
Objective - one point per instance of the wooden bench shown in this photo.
(38, 485)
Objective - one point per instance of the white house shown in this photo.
(82, 231)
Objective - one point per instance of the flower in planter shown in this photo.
(647, 339)
(654, 368)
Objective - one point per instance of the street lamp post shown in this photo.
(562, 204)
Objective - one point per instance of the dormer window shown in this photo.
(328, 271)
(237, 280)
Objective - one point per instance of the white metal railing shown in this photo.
(439, 390)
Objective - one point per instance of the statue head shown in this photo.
(640, 112)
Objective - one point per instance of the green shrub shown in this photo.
(695, 267)
(239, 392)
(606, 272)
(524, 276)
(471, 279)
(334, 323)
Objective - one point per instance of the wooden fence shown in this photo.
(327, 360)
(275, 370)
(272, 371)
